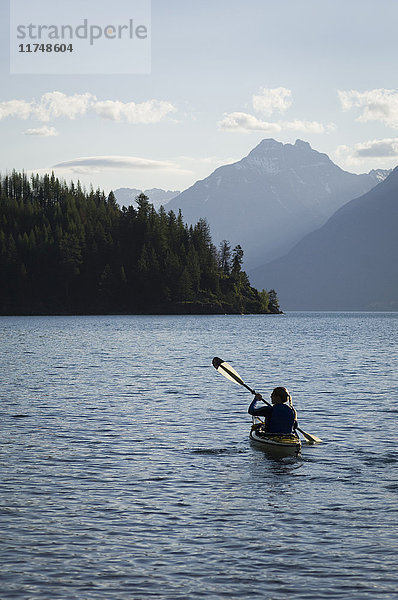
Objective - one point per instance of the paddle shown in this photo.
(225, 369)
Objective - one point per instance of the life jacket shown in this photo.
(282, 419)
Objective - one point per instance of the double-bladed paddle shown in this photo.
(225, 369)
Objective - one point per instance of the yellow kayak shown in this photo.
(286, 443)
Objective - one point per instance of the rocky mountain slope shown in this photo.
(272, 198)
(351, 263)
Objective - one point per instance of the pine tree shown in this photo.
(273, 302)
(237, 259)
(225, 257)
(65, 248)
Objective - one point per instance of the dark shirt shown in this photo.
(280, 418)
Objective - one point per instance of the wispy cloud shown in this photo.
(95, 163)
(266, 102)
(383, 150)
(151, 111)
(42, 131)
(378, 148)
(207, 161)
(15, 108)
(244, 122)
(376, 105)
(240, 121)
(56, 105)
(272, 99)
(50, 106)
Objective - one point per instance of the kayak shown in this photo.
(282, 443)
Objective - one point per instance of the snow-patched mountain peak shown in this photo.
(277, 187)
(265, 157)
(268, 145)
(380, 174)
(302, 144)
(272, 157)
(271, 146)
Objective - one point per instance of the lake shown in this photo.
(127, 470)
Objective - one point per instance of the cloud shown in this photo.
(55, 105)
(382, 153)
(266, 102)
(308, 126)
(212, 161)
(88, 165)
(378, 148)
(15, 108)
(113, 162)
(42, 131)
(384, 148)
(240, 121)
(271, 99)
(51, 105)
(377, 105)
(244, 122)
(151, 111)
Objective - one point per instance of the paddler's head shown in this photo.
(280, 395)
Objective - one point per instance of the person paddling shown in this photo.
(279, 418)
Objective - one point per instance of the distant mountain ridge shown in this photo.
(350, 263)
(157, 196)
(270, 199)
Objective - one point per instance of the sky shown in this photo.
(223, 75)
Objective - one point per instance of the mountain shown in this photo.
(348, 264)
(270, 199)
(379, 174)
(157, 197)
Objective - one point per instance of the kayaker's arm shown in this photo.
(263, 411)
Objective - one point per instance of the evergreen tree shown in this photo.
(237, 259)
(66, 249)
(273, 302)
(225, 257)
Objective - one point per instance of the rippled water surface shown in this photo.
(127, 471)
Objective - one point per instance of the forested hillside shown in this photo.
(64, 250)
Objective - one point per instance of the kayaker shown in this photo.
(281, 417)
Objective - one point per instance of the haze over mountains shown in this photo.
(323, 238)
(272, 198)
(350, 263)
(157, 197)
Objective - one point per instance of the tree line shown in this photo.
(65, 250)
